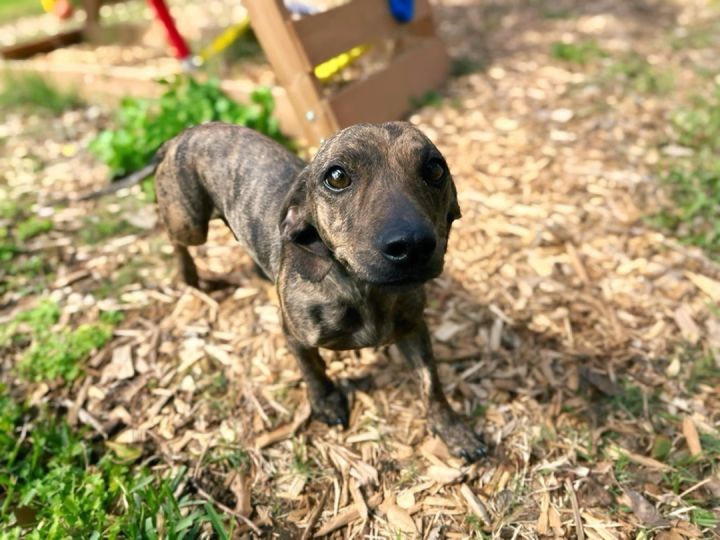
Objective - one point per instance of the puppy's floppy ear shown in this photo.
(309, 256)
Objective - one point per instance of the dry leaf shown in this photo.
(646, 512)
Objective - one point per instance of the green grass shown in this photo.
(301, 464)
(641, 75)
(103, 226)
(464, 66)
(581, 52)
(14, 9)
(51, 354)
(32, 92)
(32, 227)
(700, 35)
(54, 485)
(631, 399)
(431, 98)
(11, 209)
(128, 274)
(694, 182)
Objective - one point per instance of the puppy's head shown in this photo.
(380, 199)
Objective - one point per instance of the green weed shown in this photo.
(581, 52)
(55, 485)
(146, 124)
(300, 464)
(33, 92)
(32, 227)
(696, 36)
(476, 526)
(631, 400)
(549, 13)
(430, 99)
(464, 66)
(704, 518)
(10, 209)
(642, 76)
(694, 183)
(52, 354)
(100, 227)
(127, 274)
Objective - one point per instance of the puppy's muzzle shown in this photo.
(408, 245)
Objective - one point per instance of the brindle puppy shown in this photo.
(349, 239)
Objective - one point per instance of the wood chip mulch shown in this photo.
(559, 303)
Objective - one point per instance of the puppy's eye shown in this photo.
(434, 172)
(337, 179)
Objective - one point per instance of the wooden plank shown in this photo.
(337, 30)
(387, 95)
(42, 45)
(275, 32)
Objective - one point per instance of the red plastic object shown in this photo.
(63, 9)
(177, 43)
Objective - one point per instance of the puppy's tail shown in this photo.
(129, 180)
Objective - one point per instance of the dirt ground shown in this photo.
(580, 339)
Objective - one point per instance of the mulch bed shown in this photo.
(558, 300)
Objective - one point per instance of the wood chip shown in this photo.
(475, 505)
(120, 366)
(401, 519)
(346, 515)
(684, 320)
(709, 286)
(691, 436)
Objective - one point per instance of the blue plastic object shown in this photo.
(402, 10)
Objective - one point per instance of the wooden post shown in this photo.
(274, 30)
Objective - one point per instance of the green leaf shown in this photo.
(216, 522)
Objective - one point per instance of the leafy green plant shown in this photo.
(146, 124)
(33, 92)
(580, 52)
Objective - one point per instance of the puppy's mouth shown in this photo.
(381, 274)
(397, 281)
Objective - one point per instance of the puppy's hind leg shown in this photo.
(186, 266)
(185, 209)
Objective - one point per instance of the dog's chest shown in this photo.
(350, 318)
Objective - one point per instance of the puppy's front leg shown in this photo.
(444, 422)
(328, 403)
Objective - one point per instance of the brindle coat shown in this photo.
(349, 263)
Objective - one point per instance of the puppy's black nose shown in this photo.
(414, 245)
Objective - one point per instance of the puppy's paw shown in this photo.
(331, 408)
(460, 439)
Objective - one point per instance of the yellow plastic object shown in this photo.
(223, 41)
(330, 67)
